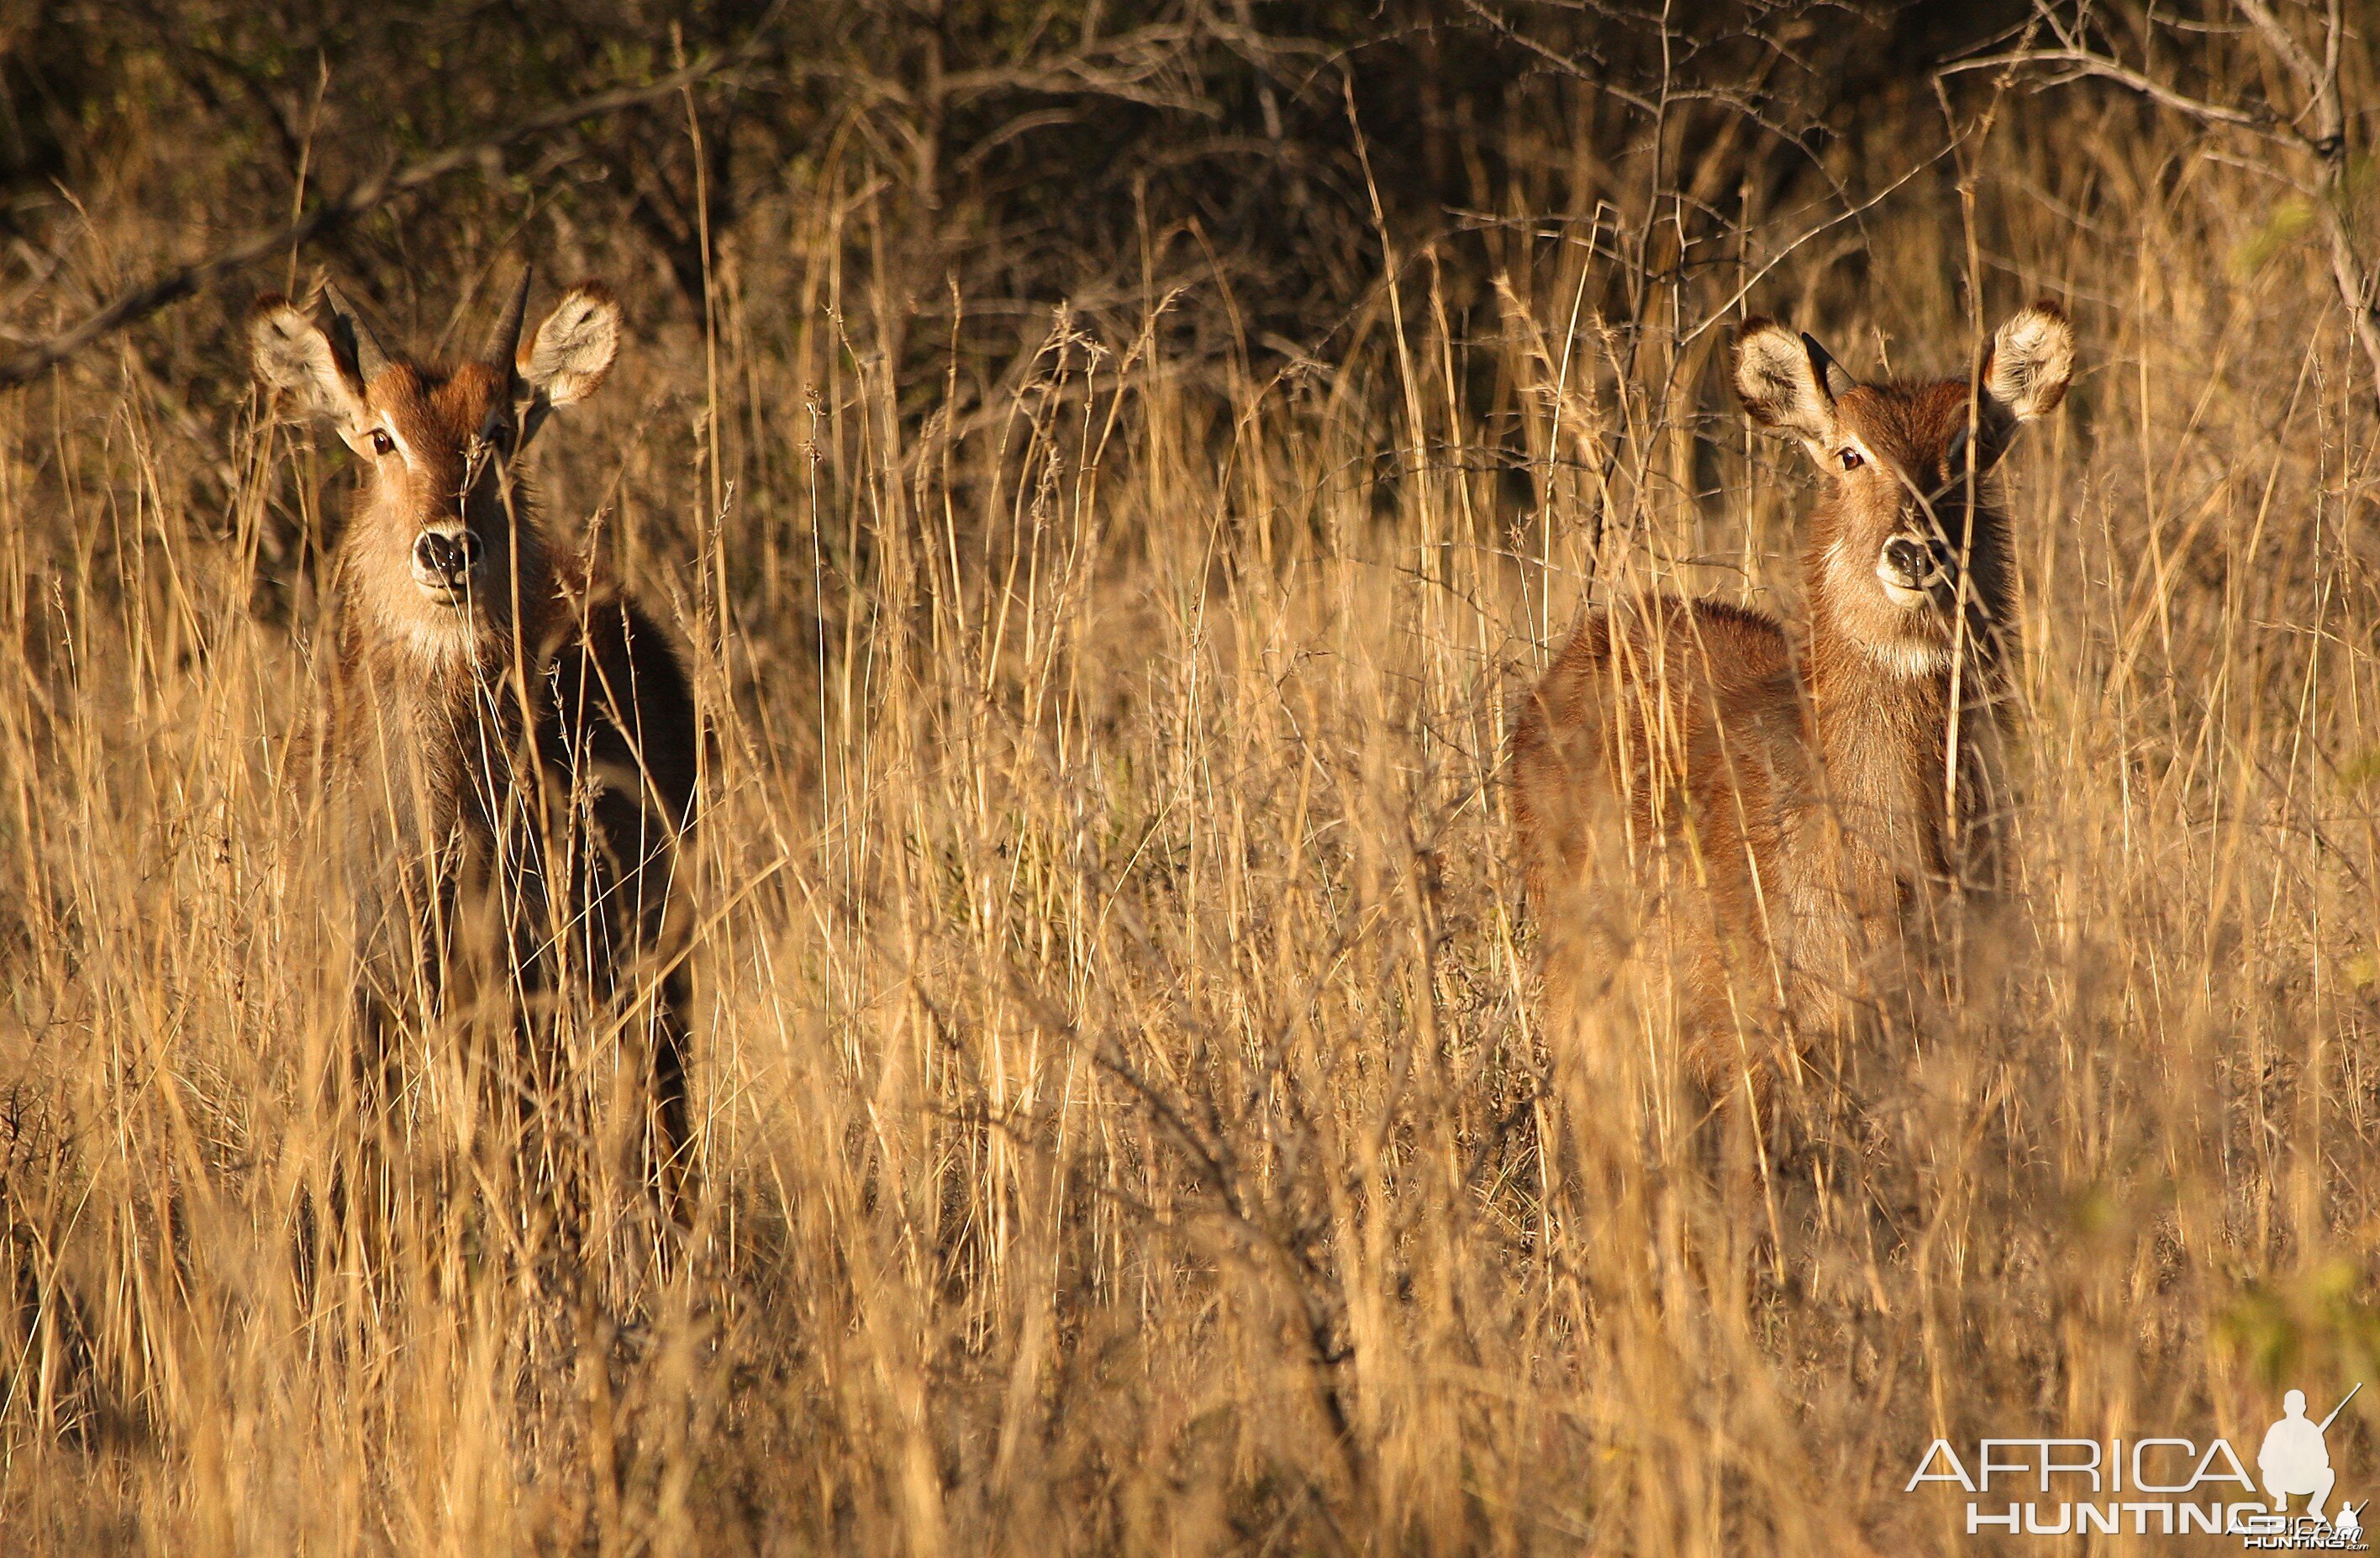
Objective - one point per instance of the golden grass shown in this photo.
(1124, 1122)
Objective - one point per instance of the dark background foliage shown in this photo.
(1017, 153)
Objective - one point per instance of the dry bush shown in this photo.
(1124, 1117)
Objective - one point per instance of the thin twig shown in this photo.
(2084, 63)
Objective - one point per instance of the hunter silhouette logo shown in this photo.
(2295, 1459)
(2158, 1485)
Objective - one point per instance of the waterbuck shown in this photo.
(510, 740)
(1791, 821)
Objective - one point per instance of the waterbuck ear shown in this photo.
(297, 356)
(1788, 382)
(573, 348)
(2029, 364)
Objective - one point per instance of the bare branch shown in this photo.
(2082, 62)
(1601, 79)
(2326, 142)
(2284, 44)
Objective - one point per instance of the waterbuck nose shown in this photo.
(444, 556)
(1911, 563)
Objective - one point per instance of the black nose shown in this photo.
(448, 556)
(1913, 560)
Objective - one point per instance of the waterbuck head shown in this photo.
(442, 553)
(1910, 526)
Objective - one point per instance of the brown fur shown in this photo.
(1776, 831)
(516, 767)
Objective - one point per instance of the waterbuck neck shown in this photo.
(1885, 733)
(438, 700)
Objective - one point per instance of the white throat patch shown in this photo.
(440, 638)
(1911, 659)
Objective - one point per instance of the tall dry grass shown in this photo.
(1125, 1123)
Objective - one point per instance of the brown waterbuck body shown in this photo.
(1791, 823)
(510, 742)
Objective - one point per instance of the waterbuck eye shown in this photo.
(382, 443)
(1850, 458)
